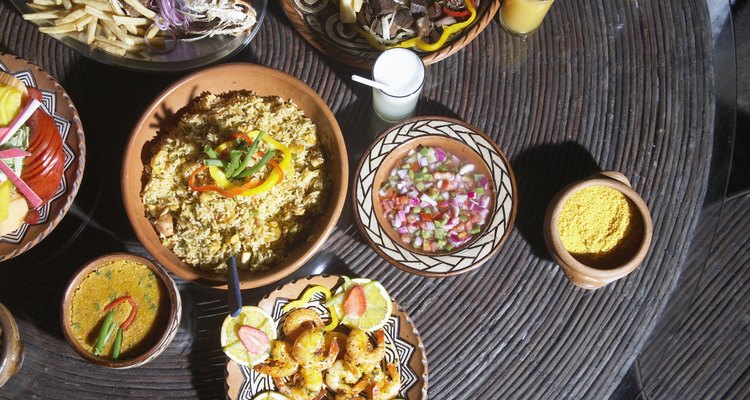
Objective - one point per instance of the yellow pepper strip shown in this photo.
(306, 296)
(334, 320)
(276, 176)
(421, 44)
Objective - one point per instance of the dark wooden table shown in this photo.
(623, 85)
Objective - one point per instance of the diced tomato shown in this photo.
(426, 217)
(476, 218)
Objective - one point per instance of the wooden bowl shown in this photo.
(169, 326)
(265, 82)
(11, 348)
(582, 275)
(458, 138)
(318, 23)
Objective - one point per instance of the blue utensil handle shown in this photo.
(235, 298)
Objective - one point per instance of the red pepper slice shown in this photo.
(458, 14)
(133, 310)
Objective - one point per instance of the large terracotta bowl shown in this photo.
(264, 82)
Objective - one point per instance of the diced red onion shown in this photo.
(440, 154)
(418, 241)
(483, 181)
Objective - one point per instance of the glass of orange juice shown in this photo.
(522, 17)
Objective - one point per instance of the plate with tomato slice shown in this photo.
(340, 310)
(42, 155)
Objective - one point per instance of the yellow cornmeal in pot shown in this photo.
(107, 283)
(600, 226)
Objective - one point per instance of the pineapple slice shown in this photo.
(10, 104)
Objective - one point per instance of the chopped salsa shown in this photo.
(435, 201)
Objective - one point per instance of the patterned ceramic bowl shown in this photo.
(455, 137)
(319, 24)
(56, 103)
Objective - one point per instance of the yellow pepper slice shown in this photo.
(421, 44)
(273, 178)
(306, 296)
(334, 320)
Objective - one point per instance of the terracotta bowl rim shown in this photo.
(556, 247)
(9, 334)
(175, 311)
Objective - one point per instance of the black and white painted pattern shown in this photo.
(49, 104)
(467, 257)
(397, 350)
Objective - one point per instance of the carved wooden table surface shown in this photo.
(622, 85)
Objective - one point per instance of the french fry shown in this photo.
(71, 17)
(141, 9)
(91, 30)
(99, 5)
(39, 7)
(102, 15)
(152, 31)
(115, 6)
(101, 24)
(118, 32)
(41, 15)
(82, 23)
(116, 50)
(58, 29)
(120, 20)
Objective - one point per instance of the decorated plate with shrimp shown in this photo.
(390, 353)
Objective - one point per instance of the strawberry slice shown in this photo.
(355, 302)
(255, 340)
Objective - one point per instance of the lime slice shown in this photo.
(270, 396)
(379, 308)
(336, 302)
(251, 316)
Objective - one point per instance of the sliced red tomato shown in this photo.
(43, 169)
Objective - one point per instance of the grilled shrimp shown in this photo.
(385, 386)
(300, 320)
(281, 363)
(361, 354)
(307, 384)
(344, 381)
(309, 349)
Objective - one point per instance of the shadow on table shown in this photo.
(541, 172)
